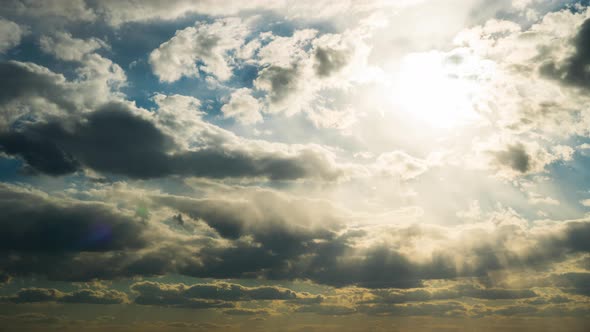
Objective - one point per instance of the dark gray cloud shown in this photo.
(514, 310)
(268, 244)
(584, 263)
(310, 300)
(35, 295)
(181, 302)
(32, 222)
(31, 318)
(416, 309)
(40, 154)
(216, 291)
(494, 293)
(575, 69)
(88, 266)
(327, 310)
(245, 312)
(95, 297)
(282, 82)
(280, 230)
(113, 140)
(464, 290)
(378, 267)
(329, 61)
(90, 296)
(4, 278)
(515, 157)
(331, 261)
(284, 245)
(548, 300)
(215, 163)
(173, 295)
(576, 237)
(72, 240)
(262, 235)
(339, 262)
(26, 80)
(212, 295)
(573, 282)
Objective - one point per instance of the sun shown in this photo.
(437, 89)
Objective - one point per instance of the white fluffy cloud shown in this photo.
(202, 48)
(243, 107)
(525, 94)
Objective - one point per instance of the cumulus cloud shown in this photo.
(65, 47)
(35, 93)
(203, 48)
(27, 82)
(281, 51)
(11, 35)
(280, 84)
(512, 157)
(128, 144)
(292, 70)
(296, 68)
(551, 51)
(329, 61)
(243, 107)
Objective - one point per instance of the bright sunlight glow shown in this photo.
(437, 90)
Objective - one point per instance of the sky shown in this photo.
(374, 165)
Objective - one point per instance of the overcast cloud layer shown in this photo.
(294, 165)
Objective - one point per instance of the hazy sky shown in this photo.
(310, 165)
